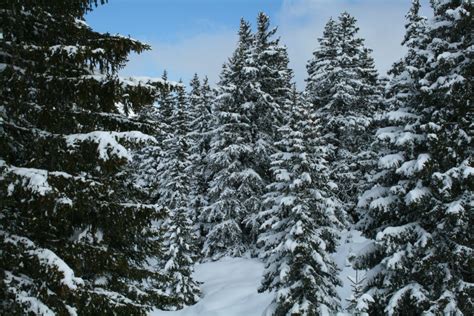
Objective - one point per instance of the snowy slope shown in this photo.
(229, 289)
(230, 284)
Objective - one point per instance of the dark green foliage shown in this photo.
(342, 86)
(419, 211)
(179, 250)
(72, 235)
(300, 224)
(233, 181)
(252, 92)
(201, 118)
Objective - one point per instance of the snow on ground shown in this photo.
(229, 289)
(230, 285)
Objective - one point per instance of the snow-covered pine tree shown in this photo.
(145, 179)
(270, 91)
(321, 73)
(208, 97)
(231, 158)
(299, 226)
(403, 89)
(197, 153)
(179, 252)
(165, 102)
(207, 93)
(73, 240)
(179, 258)
(342, 85)
(201, 122)
(273, 87)
(419, 212)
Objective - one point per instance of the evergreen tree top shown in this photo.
(348, 23)
(195, 83)
(327, 43)
(413, 13)
(245, 33)
(205, 82)
(329, 28)
(164, 76)
(264, 33)
(415, 26)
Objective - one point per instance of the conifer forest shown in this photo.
(122, 195)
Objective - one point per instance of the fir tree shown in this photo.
(342, 85)
(179, 241)
(273, 86)
(145, 175)
(145, 179)
(403, 89)
(73, 238)
(231, 164)
(179, 254)
(254, 86)
(201, 119)
(269, 90)
(321, 74)
(165, 103)
(419, 210)
(299, 227)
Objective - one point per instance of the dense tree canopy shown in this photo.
(113, 188)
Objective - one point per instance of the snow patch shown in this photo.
(230, 285)
(108, 142)
(390, 161)
(36, 180)
(416, 194)
(49, 258)
(413, 166)
(229, 289)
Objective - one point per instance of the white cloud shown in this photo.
(300, 23)
(380, 22)
(203, 54)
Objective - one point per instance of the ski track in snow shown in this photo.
(230, 285)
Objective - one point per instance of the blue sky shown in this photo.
(190, 36)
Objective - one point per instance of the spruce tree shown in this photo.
(403, 89)
(420, 208)
(299, 229)
(273, 86)
(342, 85)
(179, 251)
(165, 102)
(321, 74)
(73, 239)
(145, 178)
(201, 120)
(231, 159)
(269, 91)
(254, 87)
